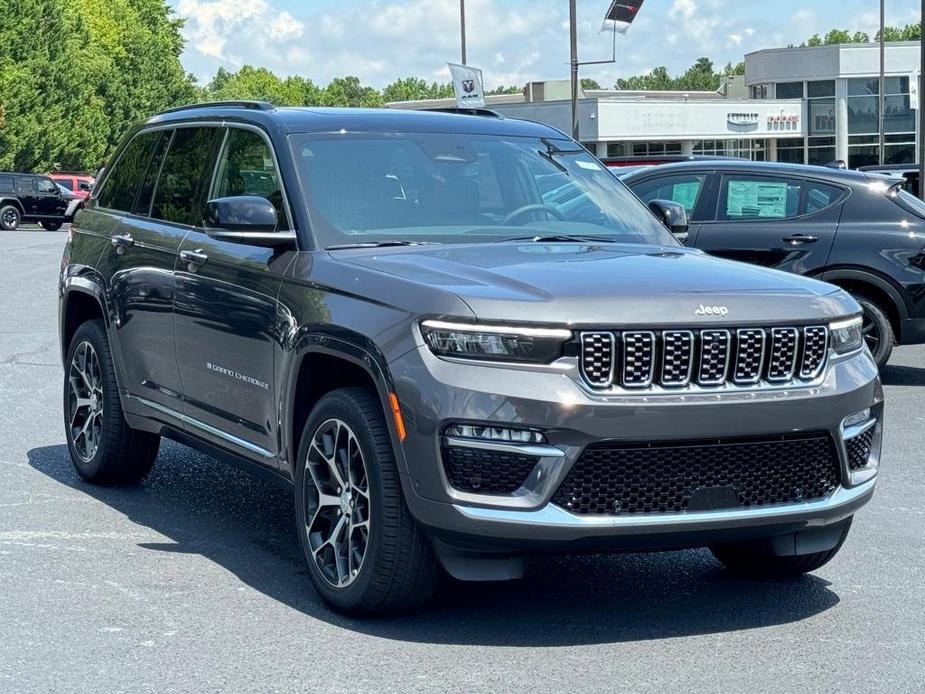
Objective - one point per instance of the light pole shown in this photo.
(880, 99)
(462, 28)
(920, 145)
(573, 44)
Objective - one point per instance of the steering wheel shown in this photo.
(533, 207)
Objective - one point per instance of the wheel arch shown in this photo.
(874, 286)
(15, 203)
(82, 300)
(323, 363)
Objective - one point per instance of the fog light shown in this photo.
(856, 418)
(470, 431)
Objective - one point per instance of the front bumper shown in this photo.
(434, 392)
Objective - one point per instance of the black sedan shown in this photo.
(858, 230)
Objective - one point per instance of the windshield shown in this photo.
(440, 188)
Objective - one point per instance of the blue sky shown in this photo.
(513, 41)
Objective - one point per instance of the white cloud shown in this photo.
(285, 27)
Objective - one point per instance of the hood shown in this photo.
(606, 284)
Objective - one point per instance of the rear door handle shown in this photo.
(799, 239)
(194, 259)
(120, 242)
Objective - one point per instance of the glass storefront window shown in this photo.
(864, 86)
(821, 116)
(790, 90)
(820, 88)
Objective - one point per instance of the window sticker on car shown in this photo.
(756, 199)
(686, 194)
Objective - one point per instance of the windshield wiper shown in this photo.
(379, 244)
(562, 238)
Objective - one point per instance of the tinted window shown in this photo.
(121, 184)
(175, 199)
(66, 182)
(790, 90)
(684, 189)
(750, 197)
(25, 186)
(245, 167)
(6, 184)
(143, 203)
(46, 185)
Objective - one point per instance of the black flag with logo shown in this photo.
(622, 13)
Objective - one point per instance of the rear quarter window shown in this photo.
(6, 184)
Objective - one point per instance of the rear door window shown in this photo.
(177, 196)
(683, 189)
(25, 186)
(773, 197)
(121, 184)
(149, 181)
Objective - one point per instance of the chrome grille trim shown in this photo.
(815, 351)
(708, 358)
(784, 345)
(677, 357)
(638, 362)
(597, 358)
(749, 363)
(714, 348)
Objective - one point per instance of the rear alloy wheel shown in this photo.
(50, 226)
(9, 218)
(877, 330)
(366, 554)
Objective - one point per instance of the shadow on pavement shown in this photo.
(902, 375)
(245, 525)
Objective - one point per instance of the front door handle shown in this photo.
(799, 239)
(120, 242)
(194, 259)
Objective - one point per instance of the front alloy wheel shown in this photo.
(337, 502)
(85, 402)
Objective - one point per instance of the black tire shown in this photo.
(752, 559)
(121, 454)
(50, 226)
(9, 217)
(398, 571)
(878, 332)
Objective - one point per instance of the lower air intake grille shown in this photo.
(620, 478)
(486, 472)
(858, 448)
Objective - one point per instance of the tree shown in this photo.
(74, 74)
(261, 84)
(700, 76)
(414, 89)
(588, 83)
(347, 91)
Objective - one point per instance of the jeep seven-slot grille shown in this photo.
(626, 478)
(708, 357)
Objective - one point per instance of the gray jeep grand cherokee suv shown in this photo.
(462, 341)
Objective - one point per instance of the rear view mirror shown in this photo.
(248, 219)
(672, 215)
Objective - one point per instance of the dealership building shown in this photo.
(805, 105)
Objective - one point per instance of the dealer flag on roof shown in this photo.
(622, 14)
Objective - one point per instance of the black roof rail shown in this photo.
(255, 105)
(486, 112)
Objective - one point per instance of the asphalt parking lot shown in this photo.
(194, 581)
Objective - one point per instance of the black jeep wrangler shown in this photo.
(26, 197)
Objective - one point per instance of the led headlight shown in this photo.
(846, 335)
(494, 342)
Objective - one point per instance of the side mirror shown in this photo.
(672, 215)
(248, 219)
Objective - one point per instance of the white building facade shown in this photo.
(839, 87)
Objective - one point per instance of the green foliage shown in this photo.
(588, 83)
(258, 83)
(74, 74)
(700, 76)
(910, 32)
(415, 89)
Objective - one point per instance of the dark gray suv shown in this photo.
(462, 342)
